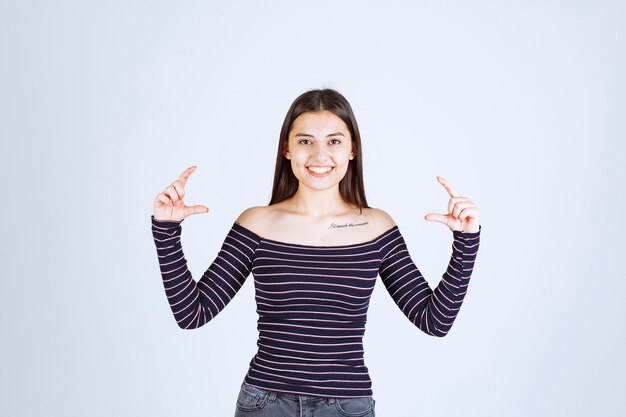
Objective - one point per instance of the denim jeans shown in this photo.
(257, 402)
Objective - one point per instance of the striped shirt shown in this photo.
(312, 301)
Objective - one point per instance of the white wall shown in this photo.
(521, 105)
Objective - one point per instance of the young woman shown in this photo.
(315, 252)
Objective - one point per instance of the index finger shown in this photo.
(186, 173)
(449, 188)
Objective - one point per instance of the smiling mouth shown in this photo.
(319, 171)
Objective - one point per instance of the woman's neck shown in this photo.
(317, 204)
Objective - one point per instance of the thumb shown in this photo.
(436, 217)
(199, 209)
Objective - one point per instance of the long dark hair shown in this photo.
(351, 185)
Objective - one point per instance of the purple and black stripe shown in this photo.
(312, 301)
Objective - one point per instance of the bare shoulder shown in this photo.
(380, 219)
(251, 216)
(257, 218)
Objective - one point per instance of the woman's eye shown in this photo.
(336, 141)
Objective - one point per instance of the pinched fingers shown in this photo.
(171, 192)
(172, 196)
(468, 211)
(454, 201)
(164, 198)
(179, 184)
(460, 206)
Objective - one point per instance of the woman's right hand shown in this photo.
(169, 205)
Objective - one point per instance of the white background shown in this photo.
(520, 105)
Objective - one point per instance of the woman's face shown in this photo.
(320, 149)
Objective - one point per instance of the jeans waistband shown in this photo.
(295, 397)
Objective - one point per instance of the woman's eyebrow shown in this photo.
(311, 136)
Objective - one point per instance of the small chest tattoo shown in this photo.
(337, 226)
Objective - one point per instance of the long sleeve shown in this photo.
(195, 303)
(433, 312)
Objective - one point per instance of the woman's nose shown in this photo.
(320, 151)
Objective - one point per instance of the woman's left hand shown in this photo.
(462, 214)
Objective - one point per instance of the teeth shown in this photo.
(320, 170)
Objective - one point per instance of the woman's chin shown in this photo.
(317, 186)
